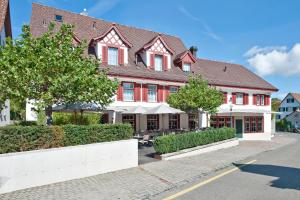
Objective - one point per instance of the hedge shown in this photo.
(26, 138)
(173, 143)
(63, 118)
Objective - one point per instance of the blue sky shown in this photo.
(262, 35)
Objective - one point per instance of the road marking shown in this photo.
(206, 181)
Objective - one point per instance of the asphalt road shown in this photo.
(271, 175)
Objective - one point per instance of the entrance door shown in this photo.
(239, 127)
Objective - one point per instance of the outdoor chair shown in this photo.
(146, 140)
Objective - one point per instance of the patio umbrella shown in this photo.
(163, 109)
(136, 110)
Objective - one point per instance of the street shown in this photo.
(271, 175)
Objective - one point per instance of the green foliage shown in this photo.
(76, 135)
(62, 118)
(283, 125)
(27, 123)
(173, 143)
(52, 70)
(196, 94)
(275, 104)
(26, 138)
(41, 117)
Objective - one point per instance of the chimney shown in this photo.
(193, 50)
(84, 12)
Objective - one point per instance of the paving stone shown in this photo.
(147, 180)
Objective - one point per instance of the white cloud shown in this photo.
(102, 7)
(275, 60)
(206, 28)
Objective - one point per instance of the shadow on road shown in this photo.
(288, 177)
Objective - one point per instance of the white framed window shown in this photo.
(239, 98)
(186, 67)
(152, 93)
(128, 91)
(173, 89)
(260, 100)
(158, 59)
(112, 56)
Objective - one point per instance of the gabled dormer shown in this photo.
(112, 47)
(156, 54)
(185, 60)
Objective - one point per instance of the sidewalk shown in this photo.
(149, 180)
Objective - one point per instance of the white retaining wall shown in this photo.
(200, 149)
(34, 168)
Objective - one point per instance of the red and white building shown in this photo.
(149, 66)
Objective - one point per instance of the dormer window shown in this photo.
(186, 67)
(58, 18)
(112, 56)
(158, 62)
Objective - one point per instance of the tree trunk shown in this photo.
(48, 112)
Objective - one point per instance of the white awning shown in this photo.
(160, 109)
(163, 109)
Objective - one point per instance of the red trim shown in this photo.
(234, 98)
(167, 92)
(152, 57)
(254, 99)
(245, 98)
(120, 92)
(151, 42)
(165, 63)
(104, 54)
(121, 56)
(137, 92)
(174, 81)
(145, 93)
(183, 57)
(115, 28)
(160, 93)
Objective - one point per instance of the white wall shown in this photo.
(5, 114)
(41, 167)
(31, 115)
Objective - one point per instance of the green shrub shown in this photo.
(27, 123)
(63, 118)
(26, 138)
(173, 143)
(283, 125)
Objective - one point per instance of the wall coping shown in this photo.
(167, 155)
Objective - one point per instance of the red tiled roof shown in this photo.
(296, 96)
(214, 72)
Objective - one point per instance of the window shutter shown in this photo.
(254, 99)
(160, 93)
(121, 56)
(267, 99)
(167, 92)
(152, 61)
(246, 99)
(165, 63)
(120, 92)
(137, 92)
(145, 92)
(225, 97)
(234, 98)
(104, 55)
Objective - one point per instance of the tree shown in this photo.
(52, 69)
(195, 95)
(275, 104)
